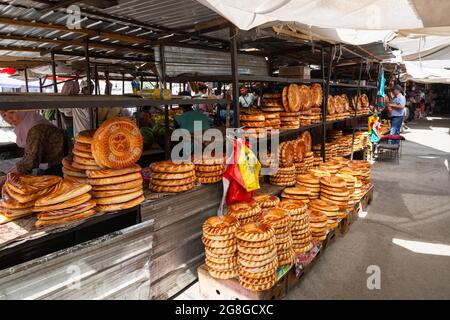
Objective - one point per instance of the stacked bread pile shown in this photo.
(331, 210)
(244, 212)
(308, 160)
(20, 192)
(291, 104)
(311, 183)
(254, 122)
(340, 108)
(317, 100)
(334, 189)
(351, 187)
(82, 159)
(221, 246)
(347, 142)
(271, 107)
(331, 166)
(280, 221)
(331, 109)
(210, 170)
(318, 223)
(359, 186)
(285, 175)
(319, 173)
(331, 151)
(116, 189)
(257, 256)
(308, 157)
(348, 112)
(296, 193)
(299, 152)
(300, 227)
(358, 142)
(334, 134)
(317, 150)
(361, 104)
(306, 104)
(273, 121)
(266, 201)
(365, 168)
(67, 202)
(116, 147)
(317, 160)
(170, 177)
(364, 138)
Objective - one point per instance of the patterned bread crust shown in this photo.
(224, 275)
(25, 184)
(255, 232)
(125, 197)
(255, 251)
(256, 244)
(172, 176)
(83, 155)
(119, 186)
(316, 95)
(255, 264)
(65, 204)
(276, 217)
(257, 288)
(220, 251)
(259, 257)
(86, 136)
(306, 137)
(177, 189)
(244, 210)
(113, 180)
(209, 180)
(65, 213)
(121, 206)
(84, 161)
(232, 261)
(217, 225)
(293, 95)
(220, 266)
(172, 183)
(217, 243)
(107, 173)
(209, 168)
(171, 167)
(112, 193)
(80, 216)
(64, 191)
(214, 174)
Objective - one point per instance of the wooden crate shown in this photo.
(344, 225)
(217, 289)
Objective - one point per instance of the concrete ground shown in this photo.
(405, 235)
(406, 231)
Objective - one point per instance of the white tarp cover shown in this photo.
(347, 14)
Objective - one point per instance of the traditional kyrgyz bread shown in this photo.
(293, 97)
(176, 189)
(62, 192)
(255, 232)
(64, 213)
(79, 174)
(64, 205)
(84, 166)
(223, 274)
(80, 216)
(120, 198)
(244, 210)
(267, 201)
(333, 181)
(221, 251)
(24, 184)
(220, 225)
(306, 137)
(84, 161)
(119, 186)
(316, 95)
(276, 217)
(202, 174)
(252, 117)
(285, 99)
(113, 180)
(84, 155)
(172, 176)
(172, 183)
(210, 168)
(171, 167)
(86, 136)
(77, 180)
(107, 173)
(83, 147)
(5, 219)
(10, 203)
(118, 143)
(111, 193)
(23, 198)
(121, 206)
(256, 251)
(15, 213)
(305, 98)
(331, 105)
(257, 244)
(209, 180)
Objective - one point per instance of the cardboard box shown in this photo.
(302, 72)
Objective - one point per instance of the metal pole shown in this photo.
(123, 83)
(325, 102)
(235, 75)
(356, 107)
(88, 76)
(108, 88)
(97, 84)
(40, 85)
(55, 85)
(166, 107)
(26, 79)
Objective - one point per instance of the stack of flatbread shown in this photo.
(334, 190)
(285, 176)
(257, 256)
(75, 167)
(332, 211)
(266, 201)
(318, 222)
(280, 220)
(300, 228)
(311, 183)
(116, 189)
(210, 170)
(220, 246)
(169, 177)
(244, 212)
(296, 193)
(20, 193)
(351, 187)
(67, 202)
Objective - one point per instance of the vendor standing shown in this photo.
(246, 99)
(396, 108)
(42, 141)
(81, 119)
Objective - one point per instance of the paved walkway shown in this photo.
(406, 231)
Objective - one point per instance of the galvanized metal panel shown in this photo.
(192, 61)
(114, 266)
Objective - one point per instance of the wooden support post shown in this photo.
(55, 85)
(235, 74)
(123, 83)
(96, 81)
(108, 90)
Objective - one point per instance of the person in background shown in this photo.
(108, 112)
(81, 119)
(396, 108)
(202, 93)
(70, 88)
(42, 141)
(246, 99)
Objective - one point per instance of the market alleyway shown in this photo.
(406, 231)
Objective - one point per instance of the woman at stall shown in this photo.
(42, 141)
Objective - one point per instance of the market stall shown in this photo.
(167, 216)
